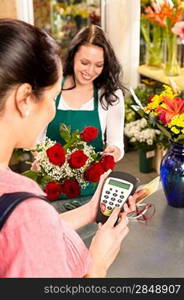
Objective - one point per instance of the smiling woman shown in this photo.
(92, 93)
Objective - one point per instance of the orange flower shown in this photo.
(160, 16)
(171, 108)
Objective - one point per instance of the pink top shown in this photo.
(35, 241)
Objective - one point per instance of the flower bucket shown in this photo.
(146, 161)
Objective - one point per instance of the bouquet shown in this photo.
(65, 170)
(166, 112)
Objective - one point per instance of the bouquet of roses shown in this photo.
(68, 169)
(166, 112)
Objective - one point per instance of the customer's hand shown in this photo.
(130, 206)
(94, 202)
(106, 243)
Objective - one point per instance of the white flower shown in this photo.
(138, 132)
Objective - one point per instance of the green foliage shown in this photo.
(38, 177)
(143, 91)
(70, 138)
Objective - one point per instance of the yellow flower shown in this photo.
(83, 13)
(168, 92)
(155, 102)
(178, 121)
(158, 100)
(175, 130)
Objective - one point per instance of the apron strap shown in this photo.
(95, 98)
(59, 95)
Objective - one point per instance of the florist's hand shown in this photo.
(35, 166)
(112, 150)
(130, 205)
(106, 243)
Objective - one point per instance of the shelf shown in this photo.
(159, 75)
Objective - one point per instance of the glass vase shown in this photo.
(172, 67)
(172, 175)
(153, 37)
(154, 48)
(153, 55)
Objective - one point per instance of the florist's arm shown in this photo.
(115, 129)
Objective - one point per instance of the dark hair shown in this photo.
(109, 79)
(27, 55)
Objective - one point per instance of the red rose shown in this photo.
(53, 190)
(71, 188)
(56, 154)
(77, 159)
(93, 173)
(89, 133)
(108, 162)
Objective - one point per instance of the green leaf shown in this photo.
(44, 180)
(31, 174)
(80, 147)
(96, 156)
(139, 111)
(65, 132)
(164, 130)
(179, 138)
(75, 137)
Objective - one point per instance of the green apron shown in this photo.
(78, 119)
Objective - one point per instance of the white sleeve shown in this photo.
(115, 123)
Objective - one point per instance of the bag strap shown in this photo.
(9, 201)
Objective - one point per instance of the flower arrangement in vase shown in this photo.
(165, 14)
(165, 111)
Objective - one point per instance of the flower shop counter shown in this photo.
(153, 249)
(159, 75)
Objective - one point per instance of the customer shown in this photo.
(92, 94)
(36, 241)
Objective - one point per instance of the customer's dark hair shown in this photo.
(27, 55)
(109, 80)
